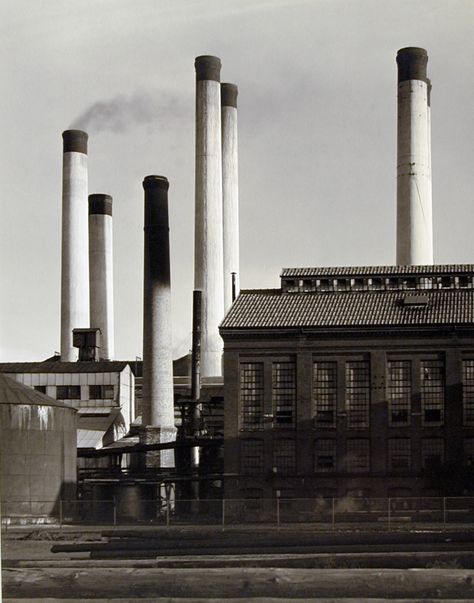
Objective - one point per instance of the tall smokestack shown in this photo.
(230, 191)
(158, 399)
(208, 237)
(74, 252)
(101, 283)
(414, 204)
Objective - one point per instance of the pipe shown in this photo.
(414, 203)
(208, 239)
(101, 284)
(74, 252)
(230, 191)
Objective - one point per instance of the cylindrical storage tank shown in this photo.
(38, 450)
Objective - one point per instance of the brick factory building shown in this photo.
(351, 381)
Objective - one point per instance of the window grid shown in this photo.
(252, 456)
(399, 392)
(325, 456)
(432, 392)
(251, 395)
(68, 392)
(468, 391)
(284, 456)
(432, 453)
(399, 454)
(357, 394)
(101, 392)
(284, 393)
(357, 456)
(469, 452)
(325, 393)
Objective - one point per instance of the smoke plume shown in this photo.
(121, 113)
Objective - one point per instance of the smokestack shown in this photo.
(230, 191)
(74, 252)
(414, 204)
(208, 237)
(101, 283)
(158, 399)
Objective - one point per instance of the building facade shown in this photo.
(351, 382)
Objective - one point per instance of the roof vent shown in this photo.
(415, 301)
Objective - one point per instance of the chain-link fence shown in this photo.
(226, 512)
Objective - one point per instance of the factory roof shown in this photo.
(12, 392)
(437, 269)
(55, 366)
(274, 308)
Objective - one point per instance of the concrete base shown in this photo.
(158, 459)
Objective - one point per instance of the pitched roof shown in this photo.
(12, 392)
(103, 366)
(437, 269)
(272, 308)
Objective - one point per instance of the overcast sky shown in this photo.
(317, 138)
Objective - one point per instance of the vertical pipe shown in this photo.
(208, 239)
(414, 204)
(101, 284)
(230, 191)
(196, 384)
(158, 397)
(74, 252)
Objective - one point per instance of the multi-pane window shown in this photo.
(284, 456)
(324, 393)
(357, 455)
(40, 388)
(432, 453)
(432, 391)
(469, 452)
(399, 392)
(357, 394)
(101, 392)
(284, 393)
(252, 456)
(68, 392)
(399, 454)
(468, 391)
(325, 456)
(251, 395)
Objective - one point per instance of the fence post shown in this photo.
(278, 511)
(444, 511)
(115, 512)
(60, 513)
(389, 512)
(223, 512)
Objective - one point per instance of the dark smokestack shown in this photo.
(158, 399)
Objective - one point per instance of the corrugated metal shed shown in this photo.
(273, 309)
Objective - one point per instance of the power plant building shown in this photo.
(353, 381)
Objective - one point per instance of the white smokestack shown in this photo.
(230, 190)
(101, 271)
(74, 253)
(414, 203)
(158, 396)
(208, 238)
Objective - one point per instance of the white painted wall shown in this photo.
(208, 239)
(74, 254)
(101, 281)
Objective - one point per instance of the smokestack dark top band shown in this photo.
(156, 182)
(229, 94)
(75, 141)
(412, 64)
(208, 68)
(100, 204)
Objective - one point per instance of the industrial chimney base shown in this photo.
(158, 459)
